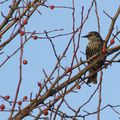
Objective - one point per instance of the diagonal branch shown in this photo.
(111, 27)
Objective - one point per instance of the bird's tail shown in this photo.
(92, 79)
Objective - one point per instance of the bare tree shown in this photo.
(63, 79)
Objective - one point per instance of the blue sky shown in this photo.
(40, 55)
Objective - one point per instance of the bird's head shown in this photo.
(93, 36)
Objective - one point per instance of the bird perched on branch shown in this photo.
(95, 44)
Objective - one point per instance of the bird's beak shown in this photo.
(86, 36)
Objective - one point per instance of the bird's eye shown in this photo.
(90, 35)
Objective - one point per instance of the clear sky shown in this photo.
(39, 55)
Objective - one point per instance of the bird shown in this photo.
(94, 46)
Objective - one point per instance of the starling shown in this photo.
(95, 44)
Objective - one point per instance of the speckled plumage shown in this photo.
(94, 46)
